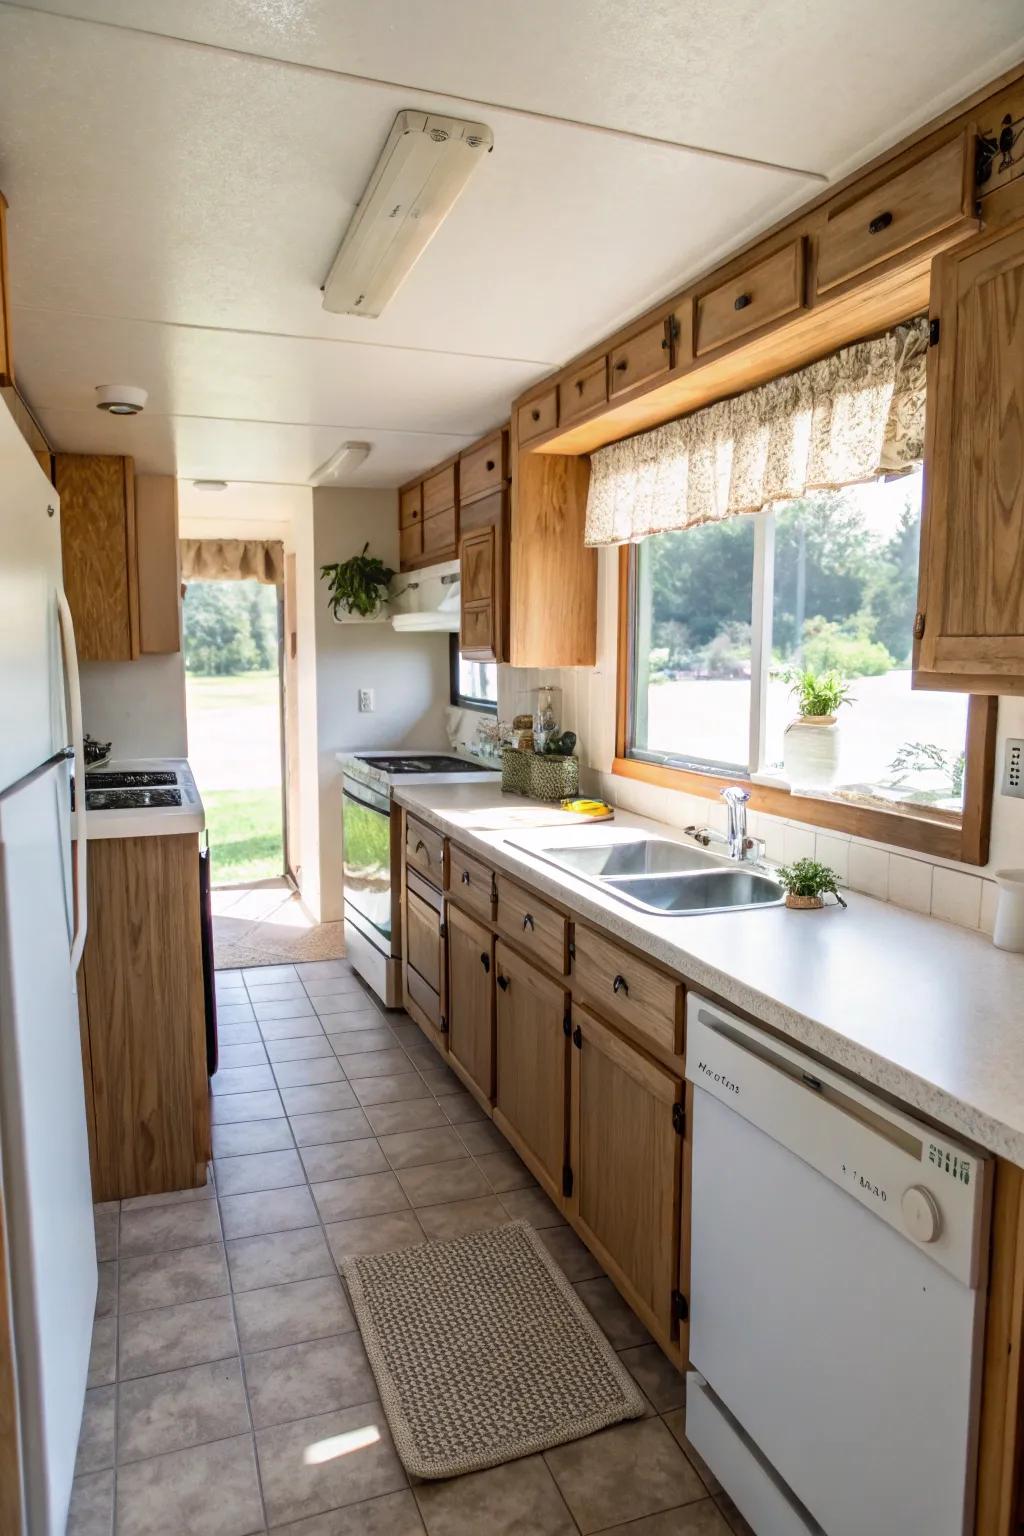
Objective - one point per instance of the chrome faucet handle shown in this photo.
(735, 794)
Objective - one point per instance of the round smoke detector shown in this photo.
(121, 399)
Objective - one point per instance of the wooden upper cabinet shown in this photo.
(482, 469)
(971, 599)
(97, 517)
(641, 359)
(582, 391)
(159, 564)
(928, 200)
(410, 505)
(6, 357)
(479, 635)
(439, 491)
(766, 291)
(537, 416)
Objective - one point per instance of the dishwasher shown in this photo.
(838, 1264)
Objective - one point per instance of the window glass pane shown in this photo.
(692, 681)
(845, 594)
(478, 681)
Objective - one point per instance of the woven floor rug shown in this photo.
(483, 1352)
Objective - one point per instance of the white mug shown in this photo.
(1008, 932)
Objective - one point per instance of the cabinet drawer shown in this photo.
(920, 202)
(538, 416)
(584, 391)
(535, 927)
(410, 506)
(425, 997)
(621, 986)
(439, 532)
(439, 491)
(410, 543)
(470, 882)
(483, 469)
(644, 356)
(424, 850)
(764, 292)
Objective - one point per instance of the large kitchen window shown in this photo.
(726, 616)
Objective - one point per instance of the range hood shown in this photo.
(427, 599)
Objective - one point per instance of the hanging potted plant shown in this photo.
(807, 883)
(811, 750)
(357, 587)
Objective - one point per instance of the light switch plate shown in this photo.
(1013, 767)
(366, 701)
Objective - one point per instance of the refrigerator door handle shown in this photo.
(67, 637)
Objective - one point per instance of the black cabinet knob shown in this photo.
(579, 386)
(741, 301)
(465, 877)
(620, 984)
(503, 983)
(485, 961)
(490, 465)
(622, 365)
(878, 224)
(535, 415)
(528, 922)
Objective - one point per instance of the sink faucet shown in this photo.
(742, 848)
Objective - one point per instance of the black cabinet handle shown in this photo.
(664, 344)
(421, 847)
(535, 415)
(881, 222)
(465, 877)
(528, 922)
(620, 984)
(579, 386)
(485, 961)
(490, 464)
(577, 1038)
(741, 301)
(622, 365)
(503, 983)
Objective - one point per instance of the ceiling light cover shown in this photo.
(341, 463)
(121, 399)
(426, 162)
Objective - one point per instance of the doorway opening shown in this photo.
(233, 694)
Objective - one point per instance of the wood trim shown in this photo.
(967, 843)
(1000, 1444)
(10, 1431)
(6, 344)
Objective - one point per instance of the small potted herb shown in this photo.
(807, 883)
(357, 587)
(811, 753)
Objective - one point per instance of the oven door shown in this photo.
(366, 824)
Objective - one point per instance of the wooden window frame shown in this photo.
(967, 843)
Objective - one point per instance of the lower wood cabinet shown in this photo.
(532, 1078)
(144, 1024)
(626, 1159)
(471, 1001)
(424, 974)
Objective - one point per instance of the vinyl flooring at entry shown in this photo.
(227, 1372)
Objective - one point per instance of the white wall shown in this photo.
(958, 892)
(139, 706)
(407, 672)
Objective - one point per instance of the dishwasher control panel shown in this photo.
(925, 1184)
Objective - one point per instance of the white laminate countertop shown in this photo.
(153, 820)
(930, 1013)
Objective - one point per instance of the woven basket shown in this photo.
(804, 903)
(541, 778)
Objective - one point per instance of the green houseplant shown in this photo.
(807, 883)
(811, 751)
(357, 586)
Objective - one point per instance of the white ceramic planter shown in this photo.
(811, 752)
(1008, 932)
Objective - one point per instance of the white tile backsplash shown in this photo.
(797, 843)
(956, 897)
(869, 870)
(835, 852)
(910, 883)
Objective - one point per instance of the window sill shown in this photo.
(938, 838)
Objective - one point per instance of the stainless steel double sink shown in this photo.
(656, 875)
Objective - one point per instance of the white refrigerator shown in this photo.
(49, 1240)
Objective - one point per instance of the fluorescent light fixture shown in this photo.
(341, 462)
(426, 162)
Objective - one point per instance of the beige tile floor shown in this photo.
(229, 1391)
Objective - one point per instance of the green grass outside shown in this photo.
(245, 831)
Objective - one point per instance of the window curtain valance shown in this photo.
(849, 418)
(233, 560)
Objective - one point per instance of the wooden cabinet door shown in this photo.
(626, 1160)
(478, 635)
(159, 566)
(971, 600)
(471, 1000)
(532, 1078)
(97, 525)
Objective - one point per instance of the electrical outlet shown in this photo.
(366, 701)
(1013, 768)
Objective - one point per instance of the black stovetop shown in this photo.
(420, 762)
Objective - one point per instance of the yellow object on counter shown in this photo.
(596, 809)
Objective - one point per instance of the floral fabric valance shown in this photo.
(233, 560)
(849, 418)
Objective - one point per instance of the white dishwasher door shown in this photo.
(845, 1347)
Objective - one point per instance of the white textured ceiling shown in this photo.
(180, 175)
